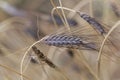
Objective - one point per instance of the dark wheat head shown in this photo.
(68, 41)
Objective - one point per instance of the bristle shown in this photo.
(68, 41)
(93, 22)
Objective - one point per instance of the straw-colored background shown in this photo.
(20, 21)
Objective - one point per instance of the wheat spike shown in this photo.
(92, 22)
(68, 41)
(42, 57)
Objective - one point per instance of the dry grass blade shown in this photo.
(102, 45)
(4, 66)
(66, 22)
(84, 61)
(52, 2)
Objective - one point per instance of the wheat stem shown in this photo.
(66, 22)
(57, 12)
(102, 45)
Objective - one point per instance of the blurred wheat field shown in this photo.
(62, 37)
